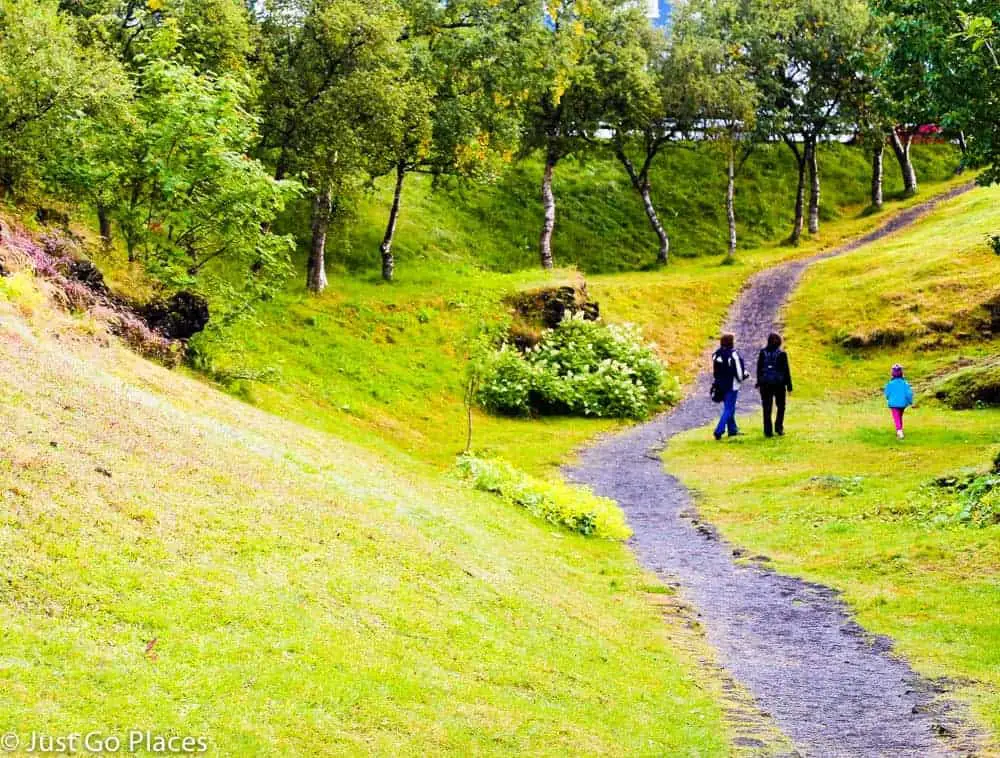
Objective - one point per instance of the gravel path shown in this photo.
(832, 688)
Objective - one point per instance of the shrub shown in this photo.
(973, 499)
(508, 383)
(980, 501)
(994, 242)
(581, 367)
(568, 506)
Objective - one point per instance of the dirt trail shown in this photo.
(832, 688)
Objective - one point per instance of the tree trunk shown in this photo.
(800, 193)
(964, 147)
(642, 186)
(878, 160)
(549, 206)
(282, 166)
(104, 224)
(901, 147)
(731, 203)
(813, 188)
(388, 260)
(316, 274)
(663, 254)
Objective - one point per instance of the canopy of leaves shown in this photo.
(335, 83)
(570, 48)
(811, 60)
(945, 54)
(50, 86)
(193, 195)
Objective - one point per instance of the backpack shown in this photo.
(717, 393)
(771, 371)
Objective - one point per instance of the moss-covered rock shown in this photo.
(970, 387)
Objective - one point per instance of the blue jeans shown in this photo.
(728, 418)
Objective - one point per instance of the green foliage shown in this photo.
(334, 79)
(195, 208)
(51, 87)
(945, 54)
(571, 507)
(812, 59)
(507, 382)
(581, 368)
(211, 36)
(971, 500)
(980, 502)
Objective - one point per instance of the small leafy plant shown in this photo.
(974, 499)
(994, 242)
(980, 501)
(573, 508)
(583, 368)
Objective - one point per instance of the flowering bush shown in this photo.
(581, 367)
(574, 508)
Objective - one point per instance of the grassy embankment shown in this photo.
(177, 562)
(385, 365)
(841, 501)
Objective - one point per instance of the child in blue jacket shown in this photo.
(899, 396)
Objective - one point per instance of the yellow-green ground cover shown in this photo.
(839, 500)
(176, 561)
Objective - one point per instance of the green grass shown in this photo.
(306, 597)
(841, 501)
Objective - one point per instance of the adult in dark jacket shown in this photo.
(774, 379)
(728, 373)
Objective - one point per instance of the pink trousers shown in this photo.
(897, 418)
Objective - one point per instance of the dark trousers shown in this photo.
(771, 395)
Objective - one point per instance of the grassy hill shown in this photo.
(840, 500)
(601, 226)
(179, 562)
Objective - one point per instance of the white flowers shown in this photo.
(582, 368)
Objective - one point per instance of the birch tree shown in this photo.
(458, 113)
(722, 36)
(335, 74)
(826, 51)
(654, 102)
(562, 55)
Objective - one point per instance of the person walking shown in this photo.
(899, 397)
(774, 379)
(728, 373)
